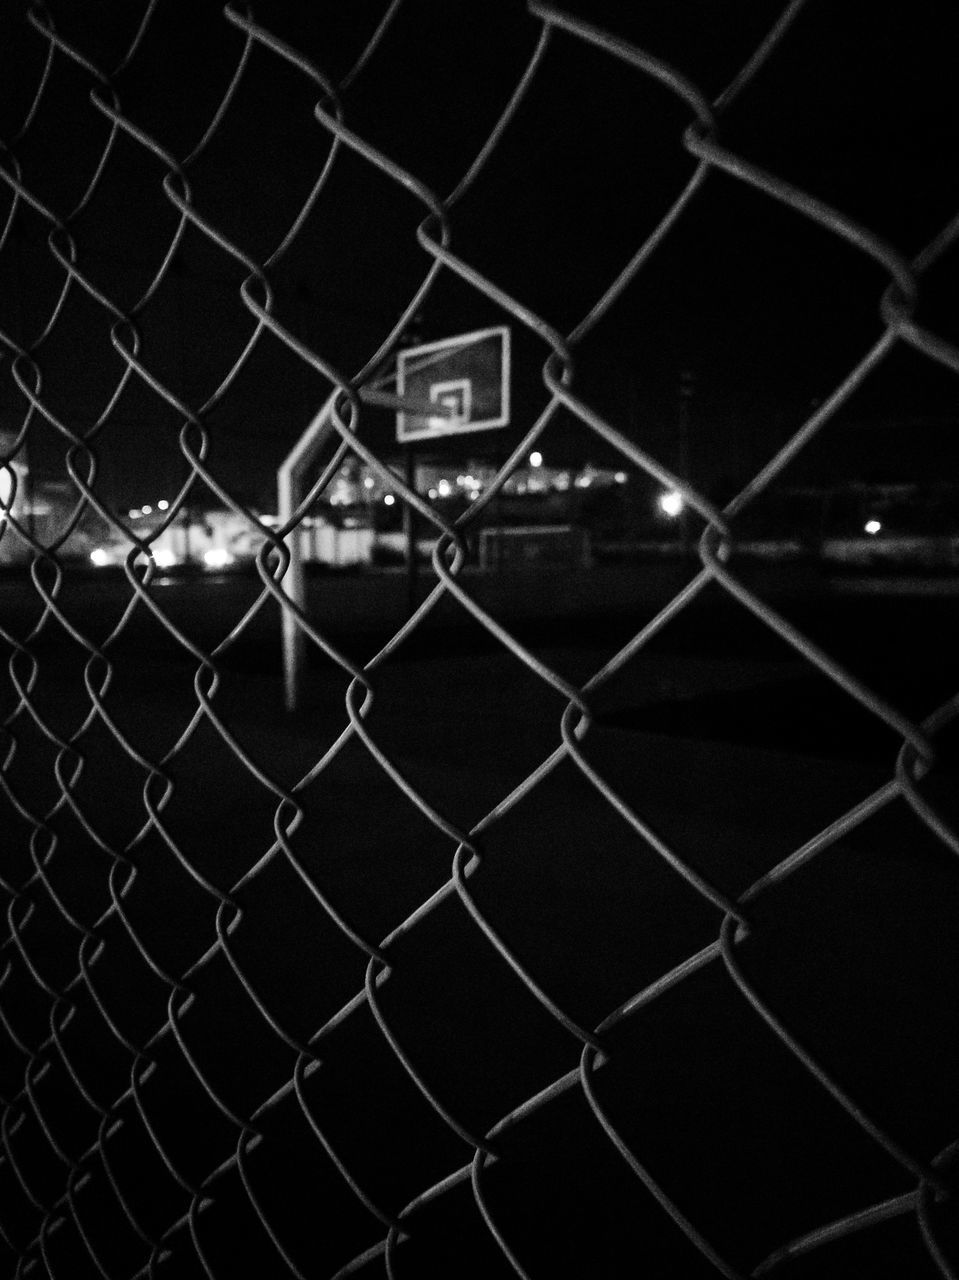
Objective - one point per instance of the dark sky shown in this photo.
(767, 311)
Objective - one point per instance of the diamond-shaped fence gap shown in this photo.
(110, 973)
(543, 888)
(229, 1043)
(476, 1036)
(37, 1167)
(111, 1238)
(235, 832)
(808, 130)
(192, 1132)
(123, 232)
(776, 1154)
(375, 1120)
(722, 797)
(371, 852)
(229, 1235)
(19, 1217)
(27, 311)
(272, 397)
(880, 970)
(24, 59)
(357, 251)
(159, 88)
(152, 1197)
(50, 942)
(442, 720)
(568, 148)
(76, 875)
(286, 939)
(446, 1235)
(26, 1007)
(18, 867)
(70, 1123)
(302, 1194)
(171, 915)
(471, 60)
(79, 374)
(60, 152)
(99, 1064)
(587, 1210)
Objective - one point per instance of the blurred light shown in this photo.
(147, 510)
(432, 493)
(389, 499)
(368, 482)
(620, 477)
(583, 481)
(445, 488)
(872, 526)
(6, 485)
(163, 505)
(536, 458)
(165, 559)
(100, 557)
(135, 513)
(671, 504)
(217, 557)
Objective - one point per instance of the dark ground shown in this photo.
(732, 750)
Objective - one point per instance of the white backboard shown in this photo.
(466, 377)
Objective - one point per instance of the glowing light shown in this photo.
(671, 504)
(163, 505)
(164, 559)
(217, 558)
(6, 485)
(620, 477)
(536, 458)
(389, 500)
(432, 493)
(135, 513)
(368, 482)
(445, 488)
(100, 557)
(146, 510)
(872, 526)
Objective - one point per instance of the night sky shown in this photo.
(766, 311)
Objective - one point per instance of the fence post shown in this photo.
(289, 493)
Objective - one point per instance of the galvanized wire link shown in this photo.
(112, 1006)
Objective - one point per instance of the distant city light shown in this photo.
(671, 504)
(620, 477)
(164, 558)
(445, 488)
(135, 513)
(6, 485)
(389, 499)
(536, 458)
(369, 482)
(146, 510)
(872, 526)
(163, 505)
(217, 558)
(432, 493)
(100, 557)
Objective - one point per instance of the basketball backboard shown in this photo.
(465, 377)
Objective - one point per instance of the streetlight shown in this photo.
(671, 504)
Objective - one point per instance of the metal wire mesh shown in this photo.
(292, 998)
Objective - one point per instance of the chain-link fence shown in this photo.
(469, 966)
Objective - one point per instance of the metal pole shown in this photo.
(686, 386)
(288, 496)
(409, 529)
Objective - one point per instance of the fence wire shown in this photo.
(237, 1044)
